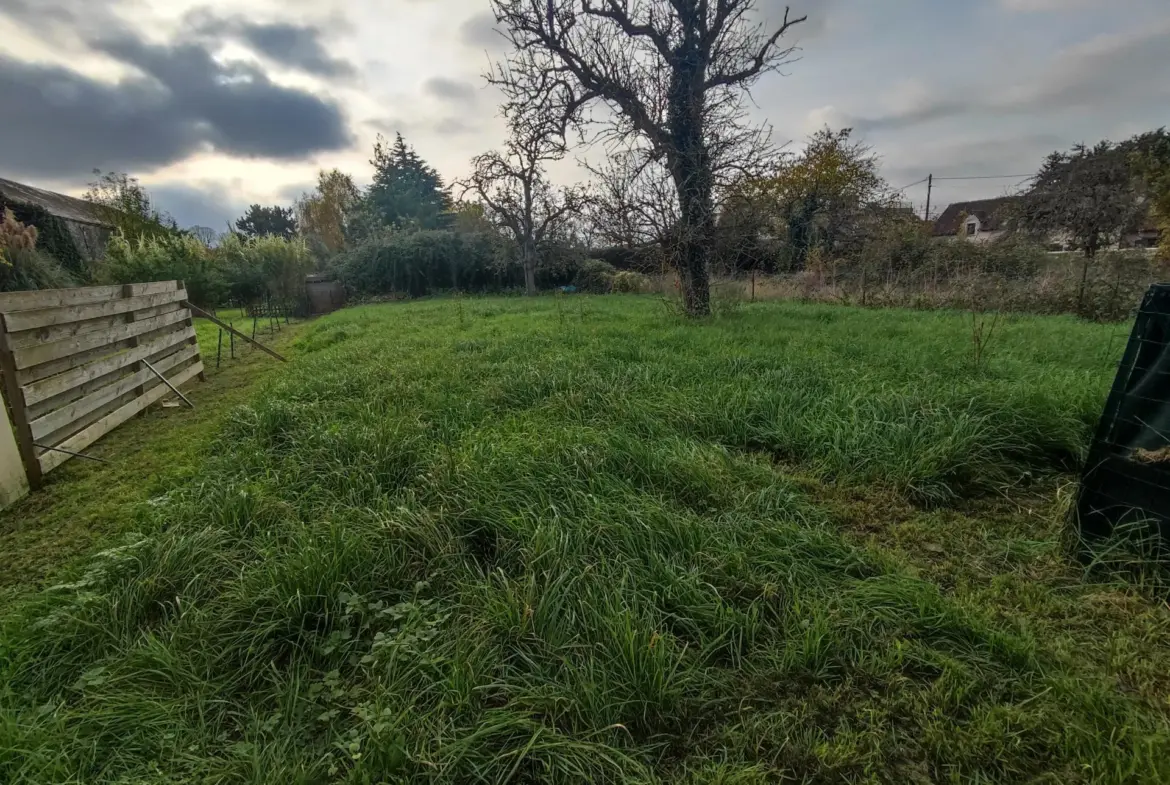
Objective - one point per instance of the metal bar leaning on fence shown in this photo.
(70, 452)
(200, 312)
(167, 382)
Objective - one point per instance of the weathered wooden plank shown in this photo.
(61, 332)
(27, 376)
(61, 417)
(84, 421)
(191, 323)
(11, 302)
(154, 287)
(78, 443)
(54, 392)
(49, 317)
(46, 353)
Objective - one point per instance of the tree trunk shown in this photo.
(691, 170)
(528, 259)
(1084, 279)
(693, 252)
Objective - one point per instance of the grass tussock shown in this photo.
(558, 542)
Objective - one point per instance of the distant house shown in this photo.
(980, 221)
(88, 227)
(985, 220)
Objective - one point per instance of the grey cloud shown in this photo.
(450, 89)
(45, 10)
(443, 126)
(195, 206)
(61, 21)
(931, 109)
(479, 32)
(958, 157)
(299, 46)
(455, 126)
(69, 123)
(237, 106)
(1108, 72)
(296, 46)
(289, 194)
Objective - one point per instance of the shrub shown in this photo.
(557, 265)
(595, 276)
(630, 282)
(418, 263)
(165, 258)
(265, 267)
(31, 269)
(22, 265)
(53, 236)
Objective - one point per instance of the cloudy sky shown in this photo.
(215, 104)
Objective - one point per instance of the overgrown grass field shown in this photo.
(581, 540)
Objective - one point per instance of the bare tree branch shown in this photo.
(766, 57)
(620, 13)
(517, 195)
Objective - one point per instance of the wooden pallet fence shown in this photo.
(74, 363)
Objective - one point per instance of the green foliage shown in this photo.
(324, 216)
(543, 549)
(595, 275)
(1086, 194)
(630, 282)
(53, 236)
(406, 192)
(1151, 159)
(817, 199)
(418, 263)
(261, 221)
(25, 269)
(265, 267)
(163, 258)
(128, 206)
(244, 270)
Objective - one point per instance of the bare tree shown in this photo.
(517, 196)
(634, 203)
(671, 73)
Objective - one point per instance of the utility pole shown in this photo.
(929, 188)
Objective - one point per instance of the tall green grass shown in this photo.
(557, 541)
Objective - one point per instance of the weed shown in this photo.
(982, 331)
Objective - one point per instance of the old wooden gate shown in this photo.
(77, 363)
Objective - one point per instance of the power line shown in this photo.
(987, 177)
(930, 180)
(903, 188)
